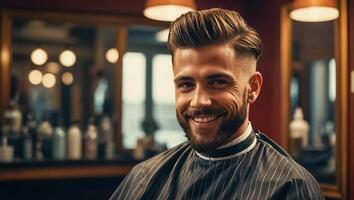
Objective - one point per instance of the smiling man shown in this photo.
(212, 93)
(214, 54)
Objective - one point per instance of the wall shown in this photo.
(121, 7)
(88, 6)
(265, 113)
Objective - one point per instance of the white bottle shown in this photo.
(299, 128)
(74, 142)
(12, 121)
(91, 142)
(59, 143)
(6, 151)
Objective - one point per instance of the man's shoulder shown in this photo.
(165, 156)
(276, 156)
(293, 179)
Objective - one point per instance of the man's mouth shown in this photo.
(202, 123)
(204, 119)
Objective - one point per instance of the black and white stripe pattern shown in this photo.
(264, 171)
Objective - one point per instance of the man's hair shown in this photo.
(214, 26)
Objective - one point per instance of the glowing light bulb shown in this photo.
(166, 12)
(67, 78)
(67, 58)
(48, 80)
(112, 55)
(35, 77)
(39, 56)
(314, 14)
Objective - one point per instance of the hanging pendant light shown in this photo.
(167, 10)
(314, 10)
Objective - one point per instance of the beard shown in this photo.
(229, 126)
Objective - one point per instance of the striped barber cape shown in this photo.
(253, 168)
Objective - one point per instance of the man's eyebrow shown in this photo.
(218, 75)
(182, 78)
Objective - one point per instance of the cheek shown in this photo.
(181, 102)
(231, 99)
(233, 94)
(178, 97)
(177, 93)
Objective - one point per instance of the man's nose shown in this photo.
(201, 98)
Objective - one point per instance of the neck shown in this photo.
(240, 131)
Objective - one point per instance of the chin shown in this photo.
(204, 142)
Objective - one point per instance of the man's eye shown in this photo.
(185, 85)
(218, 83)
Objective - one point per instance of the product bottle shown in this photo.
(16, 119)
(5, 128)
(38, 150)
(139, 151)
(91, 142)
(26, 144)
(299, 130)
(6, 151)
(12, 127)
(45, 137)
(31, 124)
(106, 128)
(74, 141)
(59, 143)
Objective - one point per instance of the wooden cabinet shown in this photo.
(55, 170)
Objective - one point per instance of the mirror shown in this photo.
(313, 90)
(313, 110)
(53, 61)
(76, 67)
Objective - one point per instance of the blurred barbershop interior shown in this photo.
(87, 90)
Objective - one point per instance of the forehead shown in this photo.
(212, 59)
(220, 55)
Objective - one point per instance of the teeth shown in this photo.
(204, 119)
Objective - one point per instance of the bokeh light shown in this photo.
(67, 58)
(112, 55)
(39, 56)
(67, 78)
(35, 77)
(48, 80)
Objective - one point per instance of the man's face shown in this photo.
(211, 86)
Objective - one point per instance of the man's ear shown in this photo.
(255, 85)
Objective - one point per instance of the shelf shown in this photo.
(44, 170)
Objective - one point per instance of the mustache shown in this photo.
(204, 111)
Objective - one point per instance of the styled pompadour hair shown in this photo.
(214, 26)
